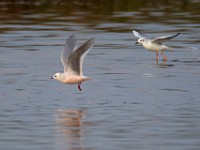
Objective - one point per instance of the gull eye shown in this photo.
(55, 76)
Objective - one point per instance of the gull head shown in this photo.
(140, 40)
(56, 76)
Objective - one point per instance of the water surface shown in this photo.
(132, 101)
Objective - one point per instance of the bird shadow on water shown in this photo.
(163, 64)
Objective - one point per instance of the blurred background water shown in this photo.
(132, 101)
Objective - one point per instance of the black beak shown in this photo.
(136, 42)
(51, 78)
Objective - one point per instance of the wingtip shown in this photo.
(72, 36)
(136, 30)
(92, 40)
(89, 43)
(138, 33)
(177, 34)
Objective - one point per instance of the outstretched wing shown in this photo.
(162, 39)
(138, 34)
(70, 46)
(77, 57)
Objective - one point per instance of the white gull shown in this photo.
(72, 59)
(154, 44)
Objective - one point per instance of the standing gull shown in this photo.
(72, 59)
(154, 44)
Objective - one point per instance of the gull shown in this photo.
(154, 44)
(72, 59)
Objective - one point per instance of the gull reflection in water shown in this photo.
(70, 129)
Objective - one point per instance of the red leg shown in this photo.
(165, 58)
(156, 56)
(79, 86)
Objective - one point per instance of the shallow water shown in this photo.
(132, 102)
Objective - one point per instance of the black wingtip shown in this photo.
(177, 34)
(136, 30)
